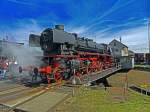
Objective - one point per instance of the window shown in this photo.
(114, 43)
(117, 50)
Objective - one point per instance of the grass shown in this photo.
(140, 65)
(89, 100)
(114, 99)
(136, 77)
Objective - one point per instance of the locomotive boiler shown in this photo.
(67, 54)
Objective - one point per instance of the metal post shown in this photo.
(126, 86)
(127, 80)
(149, 36)
(73, 92)
(73, 82)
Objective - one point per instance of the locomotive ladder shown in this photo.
(99, 75)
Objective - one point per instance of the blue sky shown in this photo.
(102, 20)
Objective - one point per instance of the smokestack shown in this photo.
(149, 36)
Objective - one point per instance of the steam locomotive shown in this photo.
(67, 55)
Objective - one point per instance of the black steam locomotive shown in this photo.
(66, 54)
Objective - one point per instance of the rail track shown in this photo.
(5, 87)
(14, 99)
(10, 93)
(13, 95)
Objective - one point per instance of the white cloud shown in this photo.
(78, 30)
(25, 2)
(22, 31)
(119, 4)
(135, 38)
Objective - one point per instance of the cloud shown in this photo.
(22, 30)
(135, 38)
(21, 2)
(79, 30)
(134, 34)
(99, 19)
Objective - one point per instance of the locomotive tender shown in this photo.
(66, 54)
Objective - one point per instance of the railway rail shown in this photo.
(15, 100)
(8, 87)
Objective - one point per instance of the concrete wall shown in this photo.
(127, 62)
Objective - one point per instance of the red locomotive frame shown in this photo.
(98, 62)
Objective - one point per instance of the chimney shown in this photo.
(59, 27)
(120, 39)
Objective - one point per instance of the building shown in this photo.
(6, 48)
(142, 58)
(147, 58)
(118, 49)
(122, 54)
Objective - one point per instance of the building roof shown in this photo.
(131, 53)
(114, 40)
(13, 43)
